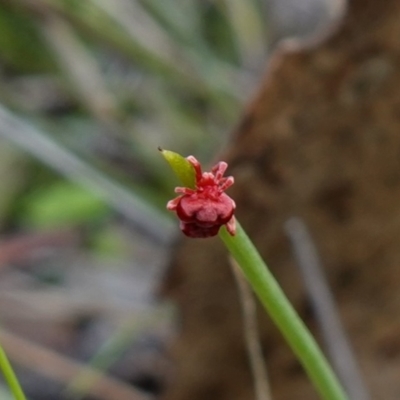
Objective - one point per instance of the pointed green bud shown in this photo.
(182, 168)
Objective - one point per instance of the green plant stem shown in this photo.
(10, 376)
(283, 314)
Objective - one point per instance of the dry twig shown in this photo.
(61, 368)
(339, 348)
(251, 333)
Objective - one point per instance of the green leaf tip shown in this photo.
(181, 167)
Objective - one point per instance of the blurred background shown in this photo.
(89, 89)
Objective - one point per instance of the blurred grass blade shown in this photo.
(180, 19)
(10, 376)
(130, 29)
(250, 35)
(92, 20)
(145, 218)
(61, 368)
(143, 29)
(79, 66)
(115, 347)
(20, 42)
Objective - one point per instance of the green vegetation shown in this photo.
(102, 84)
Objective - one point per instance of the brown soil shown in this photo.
(320, 141)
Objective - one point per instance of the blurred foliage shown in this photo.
(22, 48)
(105, 83)
(112, 80)
(61, 204)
